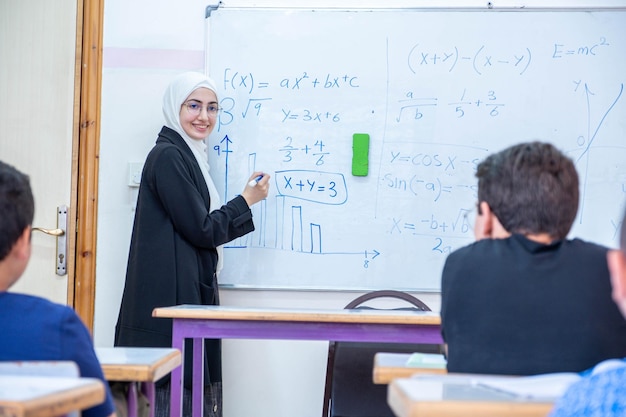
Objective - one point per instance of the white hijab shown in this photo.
(177, 92)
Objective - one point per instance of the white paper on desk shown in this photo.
(426, 360)
(545, 386)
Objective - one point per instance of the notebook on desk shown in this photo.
(426, 360)
(545, 386)
(540, 387)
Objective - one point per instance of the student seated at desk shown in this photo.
(33, 328)
(602, 394)
(523, 299)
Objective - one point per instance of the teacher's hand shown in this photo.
(256, 189)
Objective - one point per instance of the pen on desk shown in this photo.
(253, 182)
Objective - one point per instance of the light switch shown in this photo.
(134, 173)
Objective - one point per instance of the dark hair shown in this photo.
(17, 206)
(531, 188)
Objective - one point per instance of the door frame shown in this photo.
(85, 156)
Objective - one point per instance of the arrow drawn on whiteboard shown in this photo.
(368, 254)
(226, 144)
(593, 137)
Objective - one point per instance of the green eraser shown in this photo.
(360, 151)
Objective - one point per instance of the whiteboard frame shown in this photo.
(459, 5)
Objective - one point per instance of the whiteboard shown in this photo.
(437, 91)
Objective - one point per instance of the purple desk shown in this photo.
(220, 322)
(139, 365)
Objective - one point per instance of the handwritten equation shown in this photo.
(479, 61)
(316, 186)
(315, 149)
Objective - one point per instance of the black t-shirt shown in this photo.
(517, 307)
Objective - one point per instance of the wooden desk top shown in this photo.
(455, 395)
(137, 364)
(298, 315)
(389, 366)
(35, 396)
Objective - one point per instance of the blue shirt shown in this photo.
(33, 328)
(601, 394)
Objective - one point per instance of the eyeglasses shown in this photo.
(194, 108)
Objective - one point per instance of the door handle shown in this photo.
(51, 232)
(60, 233)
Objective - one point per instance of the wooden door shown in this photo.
(37, 96)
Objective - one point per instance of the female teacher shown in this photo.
(179, 227)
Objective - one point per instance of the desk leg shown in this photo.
(198, 377)
(132, 399)
(176, 384)
(149, 391)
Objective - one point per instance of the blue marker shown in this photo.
(253, 182)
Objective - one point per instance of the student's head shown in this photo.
(17, 209)
(531, 188)
(190, 105)
(617, 266)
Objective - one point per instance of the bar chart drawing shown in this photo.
(289, 232)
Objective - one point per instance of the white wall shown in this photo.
(145, 44)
